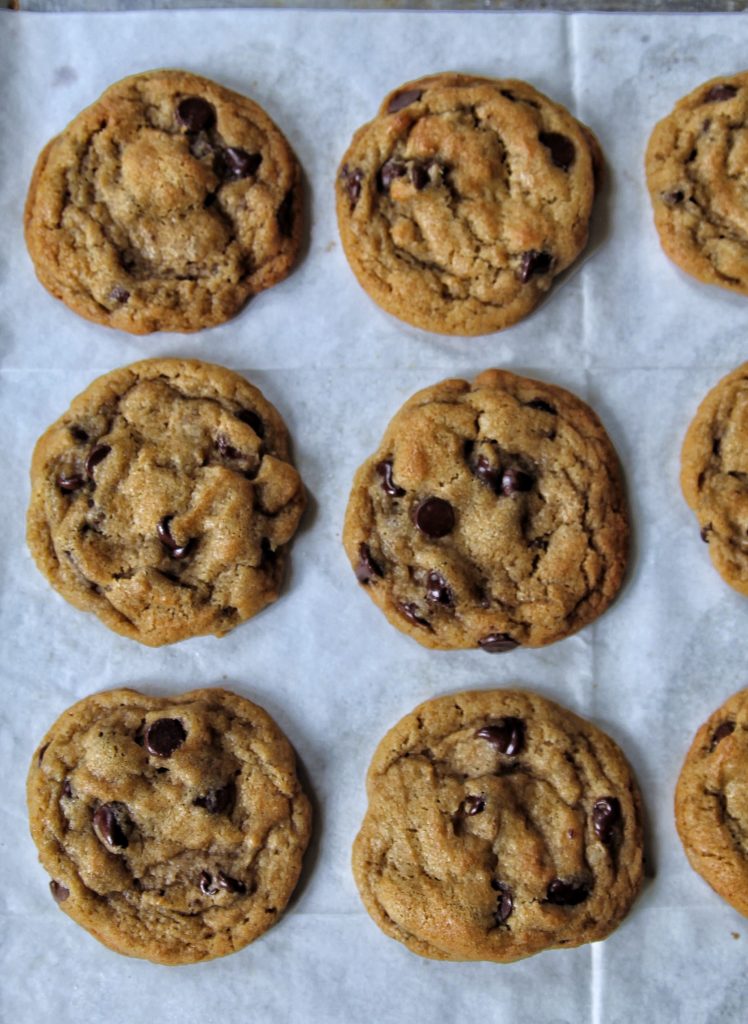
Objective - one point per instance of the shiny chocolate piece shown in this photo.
(59, 891)
(606, 817)
(438, 590)
(195, 114)
(230, 884)
(720, 93)
(352, 180)
(367, 568)
(472, 805)
(515, 481)
(542, 405)
(119, 294)
(390, 170)
(163, 736)
(67, 789)
(505, 902)
(233, 163)
(673, 198)
(164, 535)
(533, 264)
(389, 486)
(507, 735)
(71, 482)
(225, 449)
(566, 894)
(486, 473)
(404, 99)
(411, 613)
(497, 643)
(108, 822)
(434, 517)
(419, 176)
(560, 147)
(218, 801)
(95, 456)
(206, 884)
(721, 732)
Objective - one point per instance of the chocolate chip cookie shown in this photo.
(711, 801)
(499, 825)
(164, 206)
(163, 500)
(697, 171)
(463, 199)
(173, 828)
(714, 475)
(491, 515)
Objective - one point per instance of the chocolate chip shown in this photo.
(486, 473)
(673, 198)
(723, 730)
(367, 568)
(285, 214)
(390, 170)
(719, 93)
(505, 901)
(403, 99)
(389, 486)
(705, 531)
(119, 294)
(233, 163)
(507, 735)
(438, 590)
(226, 450)
(59, 891)
(71, 483)
(164, 535)
(108, 821)
(67, 789)
(230, 884)
(434, 517)
(218, 801)
(206, 884)
(419, 175)
(195, 114)
(352, 183)
(561, 148)
(252, 420)
(509, 95)
(472, 805)
(534, 262)
(566, 894)
(606, 816)
(79, 434)
(497, 643)
(540, 403)
(515, 481)
(163, 736)
(95, 456)
(410, 611)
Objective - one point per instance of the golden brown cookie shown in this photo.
(711, 801)
(697, 172)
(463, 199)
(714, 475)
(173, 828)
(491, 515)
(163, 500)
(499, 825)
(164, 206)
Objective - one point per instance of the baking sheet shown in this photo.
(626, 330)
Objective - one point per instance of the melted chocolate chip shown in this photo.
(95, 456)
(720, 93)
(108, 822)
(252, 420)
(226, 450)
(606, 817)
(233, 163)
(390, 170)
(434, 517)
(218, 801)
(673, 198)
(79, 434)
(515, 481)
(389, 486)
(540, 403)
(119, 294)
(410, 611)
(59, 891)
(230, 884)
(367, 568)
(67, 789)
(163, 736)
(723, 730)
(195, 114)
(352, 183)
(73, 482)
(403, 99)
(164, 535)
(438, 590)
(507, 735)
(486, 473)
(285, 214)
(704, 534)
(497, 643)
(206, 884)
(472, 805)
(566, 894)
(505, 902)
(534, 263)
(561, 149)
(419, 176)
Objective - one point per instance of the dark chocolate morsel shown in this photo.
(566, 894)
(352, 183)
(561, 149)
(119, 294)
(367, 568)
(509, 95)
(230, 884)
(540, 403)
(108, 820)
(606, 815)
(95, 456)
(507, 735)
(472, 805)
(235, 163)
(487, 473)
(206, 884)
(705, 531)
(67, 789)
(434, 517)
(285, 214)
(79, 434)
(410, 611)
(497, 643)
(534, 263)
(723, 730)
(195, 114)
(71, 483)
(218, 801)
(403, 99)
(673, 198)
(438, 590)
(514, 481)
(419, 175)
(164, 535)
(163, 736)
(719, 93)
(59, 891)
(226, 450)
(505, 902)
(389, 486)
(390, 170)
(252, 420)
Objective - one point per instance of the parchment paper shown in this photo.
(626, 330)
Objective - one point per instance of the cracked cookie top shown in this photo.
(163, 500)
(173, 828)
(697, 172)
(164, 206)
(711, 802)
(714, 475)
(491, 515)
(463, 199)
(499, 824)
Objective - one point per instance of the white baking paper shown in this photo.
(626, 330)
